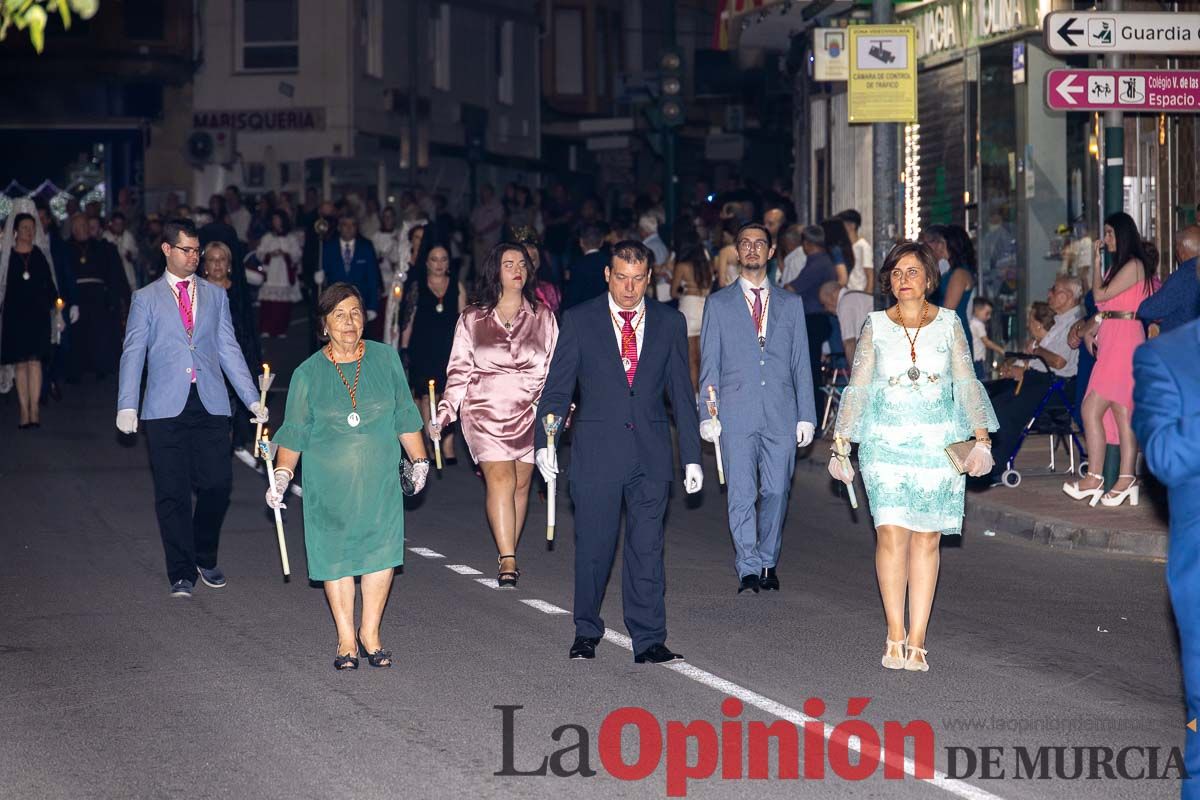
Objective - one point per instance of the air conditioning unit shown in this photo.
(211, 147)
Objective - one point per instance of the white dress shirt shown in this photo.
(863, 263)
(638, 322)
(793, 265)
(747, 286)
(1056, 342)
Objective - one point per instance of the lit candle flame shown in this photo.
(266, 369)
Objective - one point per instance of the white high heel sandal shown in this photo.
(891, 661)
(1093, 496)
(1132, 491)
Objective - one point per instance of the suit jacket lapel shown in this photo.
(172, 302)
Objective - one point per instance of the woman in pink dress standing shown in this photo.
(1113, 335)
(498, 364)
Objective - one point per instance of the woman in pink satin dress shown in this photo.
(1115, 334)
(498, 365)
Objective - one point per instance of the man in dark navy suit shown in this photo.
(587, 272)
(624, 352)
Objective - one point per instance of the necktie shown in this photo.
(185, 306)
(758, 310)
(347, 256)
(629, 353)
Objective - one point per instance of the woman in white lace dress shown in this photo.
(279, 253)
(912, 392)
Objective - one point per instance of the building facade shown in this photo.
(369, 95)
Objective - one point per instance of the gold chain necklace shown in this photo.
(913, 372)
(352, 419)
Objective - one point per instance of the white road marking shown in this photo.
(940, 779)
(619, 639)
(543, 606)
(425, 552)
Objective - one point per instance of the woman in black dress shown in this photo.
(433, 300)
(28, 303)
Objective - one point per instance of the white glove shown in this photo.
(278, 490)
(127, 420)
(420, 474)
(255, 278)
(841, 470)
(371, 315)
(804, 433)
(693, 478)
(319, 277)
(260, 413)
(547, 463)
(710, 429)
(435, 427)
(979, 461)
(73, 314)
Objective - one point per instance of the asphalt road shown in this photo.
(111, 689)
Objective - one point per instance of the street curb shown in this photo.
(1046, 531)
(1064, 534)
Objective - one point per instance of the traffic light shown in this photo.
(670, 94)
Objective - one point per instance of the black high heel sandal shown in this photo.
(380, 658)
(343, 662)
(507, 579)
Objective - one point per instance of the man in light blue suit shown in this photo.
(1166, 419)
(181, 328)
(754, 352)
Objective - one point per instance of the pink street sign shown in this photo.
(1159, 91)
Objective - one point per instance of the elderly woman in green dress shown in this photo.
(912, 392)
(349, 410)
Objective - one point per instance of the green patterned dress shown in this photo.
(353, 505)
(902, 425)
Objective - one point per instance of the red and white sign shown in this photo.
(1159, 91)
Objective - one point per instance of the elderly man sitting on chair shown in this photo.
(1017, 401)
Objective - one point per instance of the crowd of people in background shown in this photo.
(417, 264)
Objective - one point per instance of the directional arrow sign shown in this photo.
(1068, 92)
(1069, 32)
(1161, 91)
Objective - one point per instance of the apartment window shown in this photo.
(268, 35)
(568, 51)
(439, 35)
(504, 62)
(372, 31)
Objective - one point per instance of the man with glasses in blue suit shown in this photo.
(180, 329)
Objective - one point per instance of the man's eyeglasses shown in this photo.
(753, 244)
(189, 251)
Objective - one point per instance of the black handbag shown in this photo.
(406, 476)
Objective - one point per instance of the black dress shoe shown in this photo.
(656, 654)
(748, 582)
(768, 580)
(583, 647)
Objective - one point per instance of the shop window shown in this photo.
(268, 35)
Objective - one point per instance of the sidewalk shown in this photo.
(1038, 510)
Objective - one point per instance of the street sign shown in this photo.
(1162, 91)
(1070, 32)
(883, 73)
(830, 60)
